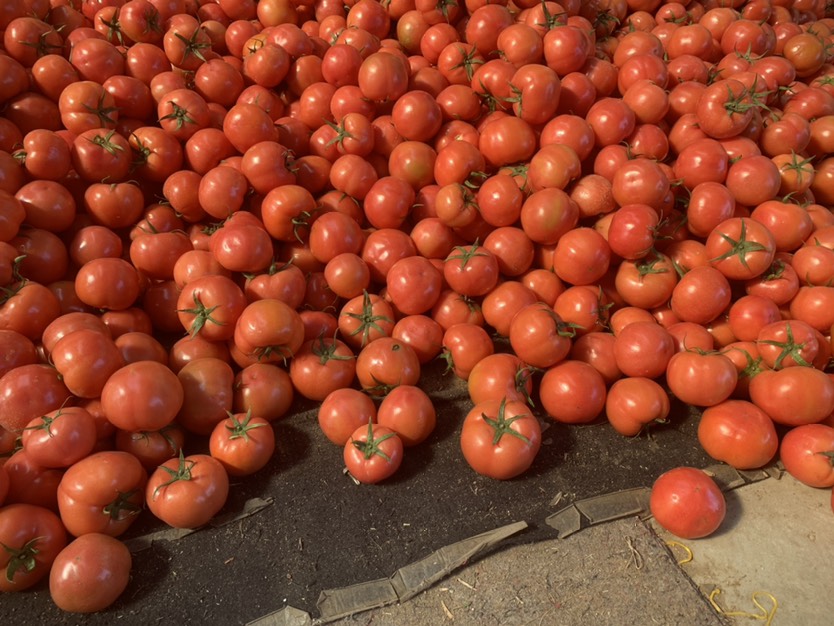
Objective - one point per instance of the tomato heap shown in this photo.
(211, 208)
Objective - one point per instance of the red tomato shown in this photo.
(701, 378)
(242, 443)
(365, 319)
(409, 412)
(152, 448)
(633, 403)
(386, 363)
(643, 348)
(500, 439)
(687, 502)
(740, 248)
(187, 492)
(573, 392)
(20, 405)
(738, 433)
(102, 493)
(806, 453)
(263, 388)
(793, 396)
(145, 395)
(701, 295)
(60, 438)
(32, 537)
(90, 573)
(500, 376)
(373, 453)
(464, 346)
(539, 336)
(321, 366)
(344, 411)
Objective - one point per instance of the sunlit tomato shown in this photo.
(321, 366)
(573, 392)
(725, 108)
(243, 443)
(187, 492)
(471, 270)
(786, 343)
(634, 403)
(687, 502)
(20, 405)
(344, 411)
(102, 493)
(409, 412)
(60, 438)
(33, 537)
(373, 453)
(738, 433)
(701, 379)
(701, 295)
(145, 395)
(500, 439)
(643, 348)
(806, 451)
(539, 337)
(386, 363)
(90, 573)
(501, 375)
(210, 306)
(794, 395)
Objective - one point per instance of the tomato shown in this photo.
(28, 307)
(701, 378)
(269, 330)
(320, 366)
(364, 319)
(31, 537)
(187, 492)
(102, 493)
(500, 438)
(738, 433)
(806, 453)
(20, 405)
(539, 337)
(701, 295)
(373, 453)
(686, 502)
(18, 350)
(208, 388)
(85, 359)
(210, 306)
(635, 402)
(787, 343)
(793, 396)
(386, 363)
(499, 376)
(60, 438)
(573, 392)
(90, 573)
(409, 412)
(581, 257)
(643, 348)
(464, 346)
(145, 395)
(152, 448)
(31, 483)
(243, 443)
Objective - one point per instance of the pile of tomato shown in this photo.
(209, 209)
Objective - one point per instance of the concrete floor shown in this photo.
(771, 563)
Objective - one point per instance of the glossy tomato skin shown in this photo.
(243, 443)
(102, 493)
(738, 433)
(500, 439)
(60, 438)
(145, 395)
(687, 502)
(793, 396)
(635, 402)
(187, 492)
(701, 379)
(90, 573)
(38, 534)
(373, 453)
(20, 405)
(806, 453)
(409, 412)
(573, 392)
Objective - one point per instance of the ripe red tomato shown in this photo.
(90, 573)
(539, 336)
(386, 363)
(321, 366)
(243, 443)
(187, 492)
(573, 392)
(635, 402)
(500, 438)
(793, 396)
(373, 453)
(20, 405)
(409, 412)
(60, 438)
(500, 376)
(32, 537)
(687, 502)
(806, 454)
(701, 378)
(145, 395)
(738, 433)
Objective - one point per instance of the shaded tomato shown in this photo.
(409, 412)
(344, 411)
(321, 366)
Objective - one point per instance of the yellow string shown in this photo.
(689, 556)
(764, 615)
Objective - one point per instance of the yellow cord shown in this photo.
(689, 556)
(764, 615)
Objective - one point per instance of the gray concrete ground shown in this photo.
(770, 563)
